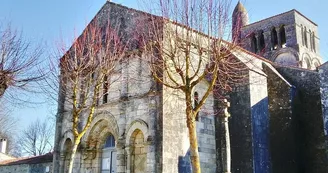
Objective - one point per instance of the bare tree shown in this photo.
(188, 48)
(8, 130)
(87, 71)
(8, 123)
(18, 61)
(37, 138)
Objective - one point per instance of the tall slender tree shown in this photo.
(187, 48)
(87, 71)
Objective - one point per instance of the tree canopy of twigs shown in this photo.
(37, 138)
(8, 130)
(188, 48)
(87, 70)
(19, 61)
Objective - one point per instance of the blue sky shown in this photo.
(52, 20)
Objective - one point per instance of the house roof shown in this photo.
(28, 160)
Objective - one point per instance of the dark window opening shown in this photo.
(110, 141)
(311, 45)
(261, 41)
(105, 90)
(313, 42)
(283, 36)
(274, 39)
(305, 37)
(254, 43)
(196, 99)
(302, 31)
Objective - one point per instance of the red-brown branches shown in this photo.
(18, 61)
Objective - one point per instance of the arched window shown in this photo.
(105, 89)
(282, 33)
(254, 43)
(261, 41)
(313, 42)
(305, 37)
(311, 45)
(108, 156)
(138, 158)
(196, 99)
(274, 39)
(302, 31)
(110, 142)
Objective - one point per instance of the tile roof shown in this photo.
(28, 160)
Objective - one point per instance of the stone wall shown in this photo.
(27, 168)
(294, 49)
(240, 127)
(307, 110)
(133, 105)
(282, 124)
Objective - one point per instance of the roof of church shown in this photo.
(28, 160)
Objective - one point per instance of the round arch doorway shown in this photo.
(108, 156)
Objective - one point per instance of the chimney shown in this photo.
(3, 145)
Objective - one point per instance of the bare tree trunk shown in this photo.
(191, 124)
(73, 153)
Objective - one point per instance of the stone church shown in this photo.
(278, 123)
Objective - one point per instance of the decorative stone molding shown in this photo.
(137, 124)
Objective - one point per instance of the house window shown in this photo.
(282, 33)
(274, 39)
(254, 43)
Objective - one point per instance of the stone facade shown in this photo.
(277, 116)
(297, 41)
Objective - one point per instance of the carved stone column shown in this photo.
(61, 163)
(128, 151)
(151, 154)
(226, 151)
(120, 156)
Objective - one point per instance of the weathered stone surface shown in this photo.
(307, 110)
(295, 50)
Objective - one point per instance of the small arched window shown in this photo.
(110, 142)
(196, 99)
(313, 42)
(105, 89)
(282, 33)
(254, 43)
(305, 37)
(302, 31)
(261, 41)
(274, 39)
(311, 45)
